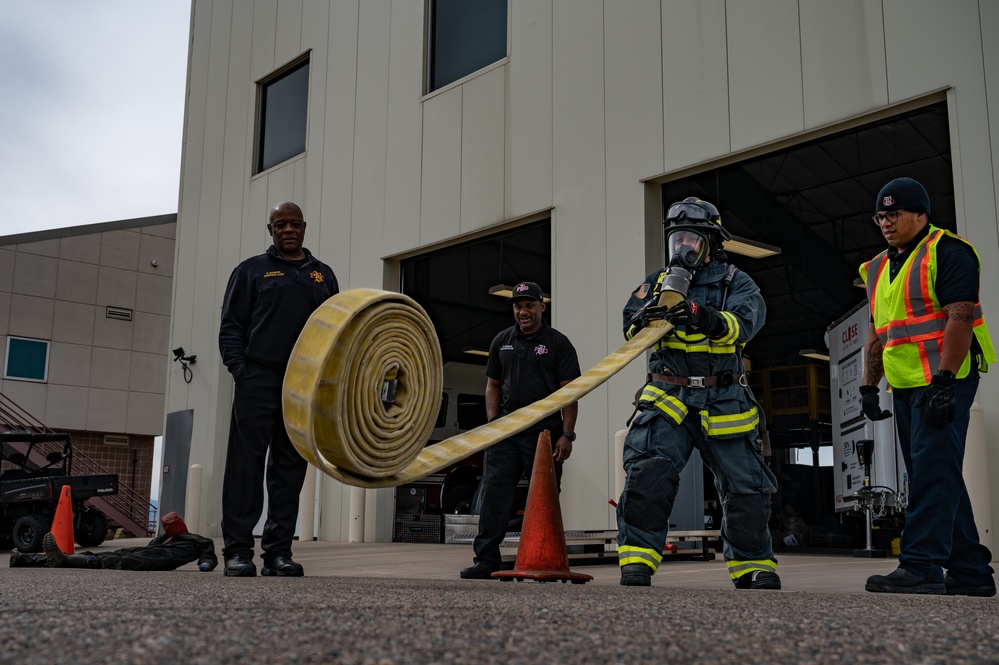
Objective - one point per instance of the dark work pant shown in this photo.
(155, 557)
(940, 529)
(258, 425)
(504, 464)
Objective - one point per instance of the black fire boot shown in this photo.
(57, 559)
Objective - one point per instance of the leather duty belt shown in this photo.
(723, 380)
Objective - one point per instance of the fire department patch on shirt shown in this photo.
(642, 290)
(316, 276)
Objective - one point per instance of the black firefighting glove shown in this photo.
(650, 312)
(696, 317)
(937, 400)
(871, 405)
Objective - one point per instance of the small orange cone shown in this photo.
(62, 524)
(542, 554)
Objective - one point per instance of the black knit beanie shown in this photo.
(903, 194)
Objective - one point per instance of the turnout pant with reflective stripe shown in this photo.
(655, 452)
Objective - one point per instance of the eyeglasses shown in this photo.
(892, 217)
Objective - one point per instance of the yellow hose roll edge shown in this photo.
(332, 390)
(332, 393)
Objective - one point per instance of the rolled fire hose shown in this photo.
(362, 391)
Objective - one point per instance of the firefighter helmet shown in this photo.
(702, 217)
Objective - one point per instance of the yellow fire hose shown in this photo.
(362, 391)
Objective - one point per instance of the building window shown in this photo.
(465, 36)
(282, 113)
(27, 359)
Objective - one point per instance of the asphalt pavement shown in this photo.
(394, 603)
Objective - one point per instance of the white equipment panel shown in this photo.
(846, 339)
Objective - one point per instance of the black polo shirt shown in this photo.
(531, 367)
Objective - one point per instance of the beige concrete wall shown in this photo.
(104, 374)
(596, 100)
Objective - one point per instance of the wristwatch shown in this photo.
(569, 435)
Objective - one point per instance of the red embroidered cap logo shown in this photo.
(888, 201)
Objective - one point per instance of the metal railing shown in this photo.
(127, 509)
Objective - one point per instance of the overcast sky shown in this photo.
(91, 110)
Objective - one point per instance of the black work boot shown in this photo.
(282, 566)
(57, 559)
(240, 564)
(636, 574)
(958, 587)
(480, 571)
(758, 579)
(20, 559)
(901, 580)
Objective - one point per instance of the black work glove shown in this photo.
(937, 400)
(696, 317)
(871, 405)
(642, 317)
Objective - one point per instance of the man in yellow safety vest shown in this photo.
(928, 337)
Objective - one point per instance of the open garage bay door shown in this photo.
(814, 201)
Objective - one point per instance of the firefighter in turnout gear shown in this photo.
(696, 397)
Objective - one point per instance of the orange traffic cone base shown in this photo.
(62, 523)
(542, 554)
(542, 576)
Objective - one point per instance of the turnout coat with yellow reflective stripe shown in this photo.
(908, 318)
(726, 411)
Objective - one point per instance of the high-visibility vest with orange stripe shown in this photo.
(908, 318)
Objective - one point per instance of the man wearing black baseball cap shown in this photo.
(527, 362)
(929, 339)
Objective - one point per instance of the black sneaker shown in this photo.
(636, 574)
(240, 564)
(956, 587)
(901, 580)
(282, 566)
(479, 571)
(758, 579)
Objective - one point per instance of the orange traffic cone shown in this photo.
(542, 554)
(62, 524)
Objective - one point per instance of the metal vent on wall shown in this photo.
(119, 313)
(115, 440)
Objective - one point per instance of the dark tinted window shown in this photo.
(26, 359)
(465, 36)
(281, 118)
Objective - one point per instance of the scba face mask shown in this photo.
(687, 249)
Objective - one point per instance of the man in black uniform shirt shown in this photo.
(267, 302)
(527, 362)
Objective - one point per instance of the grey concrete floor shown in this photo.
(388, 603)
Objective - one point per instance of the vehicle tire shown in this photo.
(93, 528)
(28, 532)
